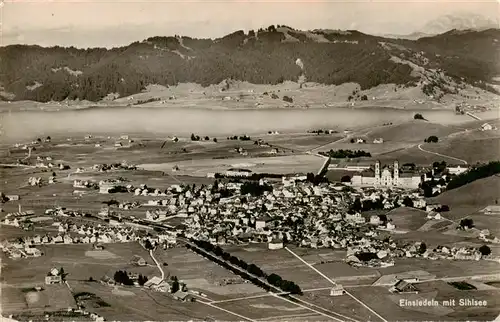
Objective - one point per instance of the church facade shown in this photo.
(387, 178)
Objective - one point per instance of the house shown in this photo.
(403, 286)
(486, 127)
(375, 220)
(53, 277)
(458, 169)
(118, 144)
(153, 282)
(261, 222)
(378, 141)
(337, 290)
(106, 187)
(182, 296)
(275, 244)
(12, 197)
(492, 210)
(138, 260)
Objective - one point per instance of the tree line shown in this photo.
(476, 173)
(273, 279)
(342, 154)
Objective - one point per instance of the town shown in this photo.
(358, 216)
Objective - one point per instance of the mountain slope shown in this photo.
(266, 56)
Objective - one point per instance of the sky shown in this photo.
(99, 23)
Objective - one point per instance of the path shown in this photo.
(441, 155)
(335, 284)
(157, 264)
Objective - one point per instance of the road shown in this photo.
(157, 264)
(441, 155)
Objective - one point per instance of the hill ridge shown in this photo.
(438, 64)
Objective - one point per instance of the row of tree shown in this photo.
(476, 173)
(342, 154)
(273, 279)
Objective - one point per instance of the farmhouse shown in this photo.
(403, 286)
(458, 169)
(384, 178)
(337, 290)
(486, 127)
(138, 260)
(492, 210)
(54, 277)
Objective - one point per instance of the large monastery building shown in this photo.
(387, 176)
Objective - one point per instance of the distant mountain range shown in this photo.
(446, 23)
(264, 56)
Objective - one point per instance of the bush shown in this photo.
(466, 223)
(345, 179)
(432, 139)
(484, 250)
(288, 99)
(418, 116)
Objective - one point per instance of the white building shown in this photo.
(457, 169)
(275, 244)
(384, 178)
(238, 172)
(486, 127)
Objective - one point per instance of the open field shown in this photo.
(146, 305)
(31, 272)
(443, 268)
(472, 146)
(284, 165)
(343, 304)
(201, 274)
(267, 307)
(414, 131)
(446, 292)
(51, 298)
(407, 219)
(470, 198)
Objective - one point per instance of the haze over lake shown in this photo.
(23, 125)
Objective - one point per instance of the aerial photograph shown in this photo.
(284, 160)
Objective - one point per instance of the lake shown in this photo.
(27, 125)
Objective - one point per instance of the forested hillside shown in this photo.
(266, 56)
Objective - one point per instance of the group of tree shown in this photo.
(485, 250)
(142, 279)
(122, 277)
(341, 154)
(273, 279)
(466, 223)
(288, 99)
(366, 205)
(316, 179)
(431, 139)
(254, 188)
(195, 137)
(241, 138)
(476, 173)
